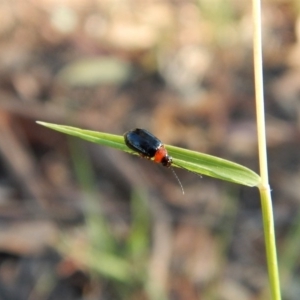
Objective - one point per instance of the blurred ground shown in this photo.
(79, 221)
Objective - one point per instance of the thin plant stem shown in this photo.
(264, 187)
(268, 221)
(259, 93)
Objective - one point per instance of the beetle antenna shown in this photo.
(188, 170)
(178, 180)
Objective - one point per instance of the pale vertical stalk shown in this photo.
(259, 93)
(264, 188)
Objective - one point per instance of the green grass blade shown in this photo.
(191, 160)
(105, 139)
(213, 166)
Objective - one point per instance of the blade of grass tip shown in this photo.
(106, 139)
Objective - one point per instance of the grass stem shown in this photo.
(264, 187)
